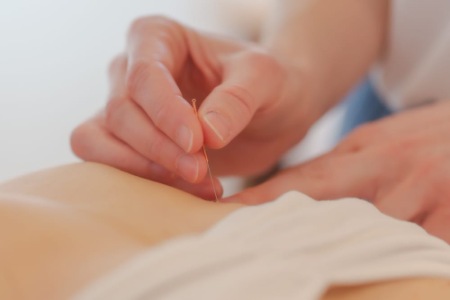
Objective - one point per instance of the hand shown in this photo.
(253, 107)
(400, 163)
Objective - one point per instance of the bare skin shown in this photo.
(79, 222)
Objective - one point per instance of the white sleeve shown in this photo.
(415, 67)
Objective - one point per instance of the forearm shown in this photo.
(333, 43)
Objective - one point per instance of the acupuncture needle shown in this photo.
(194, 105)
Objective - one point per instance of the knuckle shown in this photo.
(141, 23)
(269, 69)
(138, 75)
(404, 147)
(112, 111)
(262, 61)
(322, 171)
(155, 152)
(161, 113)
(243, 100)
(360, 137)
(154, 22)
(163, 22)
(429, 168)
(116, 63)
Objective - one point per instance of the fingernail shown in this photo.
(218, 124)
(184, 138)
(188, 167)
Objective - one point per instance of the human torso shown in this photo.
(78, 223)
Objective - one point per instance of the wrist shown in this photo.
(304, 84)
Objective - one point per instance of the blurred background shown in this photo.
(53, 60)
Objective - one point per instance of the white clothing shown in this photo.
(292, 248)
(416, 65)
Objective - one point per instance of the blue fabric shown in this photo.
(361, 106)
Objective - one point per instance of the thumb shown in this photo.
(251, 81)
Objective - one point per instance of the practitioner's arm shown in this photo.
(333, 42)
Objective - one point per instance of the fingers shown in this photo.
(132, 126)
(251, 82)
(93, 142)
(156, 52)
(325, 178)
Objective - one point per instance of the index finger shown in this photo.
(156, 52)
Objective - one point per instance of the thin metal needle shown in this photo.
(210, 175)
(194, 105)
